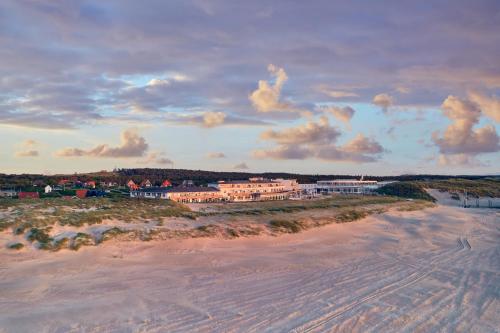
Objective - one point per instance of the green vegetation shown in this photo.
(26, 214)
(39, 235)
(411, 190)
(289, 206)
(111, 233)
(486, 187)
(16, 246)
(286, 226)
(81, 239)
(350, 215)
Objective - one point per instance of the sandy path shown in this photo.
(432, 270)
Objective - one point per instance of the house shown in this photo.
(48, 189)
(146, 183)
(8, 193)
(253, 189)
(63, 182)
(346, 186)
(90, 184)
(82, 193)
(166, 183)
(29, 195)
(190, 194)
(131, 185)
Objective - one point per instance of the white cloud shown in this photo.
(132, 145)
(460, 137)
(489, 105)
(318, 140)
(216, 155)
(384, 101)
(212, 119)
(343, 114)
(267, 97)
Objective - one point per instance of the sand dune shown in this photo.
(431, 270)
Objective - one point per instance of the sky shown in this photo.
(317, 87)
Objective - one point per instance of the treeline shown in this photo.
(199, 177)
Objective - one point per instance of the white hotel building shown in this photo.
(346, 186)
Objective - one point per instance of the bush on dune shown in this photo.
(286, 226)
(16, 246)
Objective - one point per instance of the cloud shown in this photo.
(318, 140)
(459, 160)
(212, 119)
(29, 143)
(383, 100)
(309, 133)
(241, 166)
(28, 150)
(344, 114)
(337, 93)
(490, 105)
(27, 153)
(158, 83)
(216, 155)
(364, 145)
(132, 145)
(460, 137)
(157, 159)
(267, 97)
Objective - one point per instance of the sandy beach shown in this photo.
(432, 270)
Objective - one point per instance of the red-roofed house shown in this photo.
(166, 183)
(90, 184)
(146, 183)
(131, 185)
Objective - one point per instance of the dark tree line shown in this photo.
(199, 177)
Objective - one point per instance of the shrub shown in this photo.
(16, 246)
(111, 233)
(287, 226)
(60, 244)
(410, 190)
(232, 233)
(39, 235)
(350, 215)
(80, 240)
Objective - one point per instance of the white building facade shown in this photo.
(346, 186)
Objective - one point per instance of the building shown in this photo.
(8, 193)
(131, 185)
(146, 183)
(254, 189)
(29, 195)
(191, 194)
(82, 193)
(166, 183)
(346, 186)
(48, 189)
(308, 190)
(90, 184)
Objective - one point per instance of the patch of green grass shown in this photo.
(16, 246)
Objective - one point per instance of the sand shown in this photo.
(423, 271)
